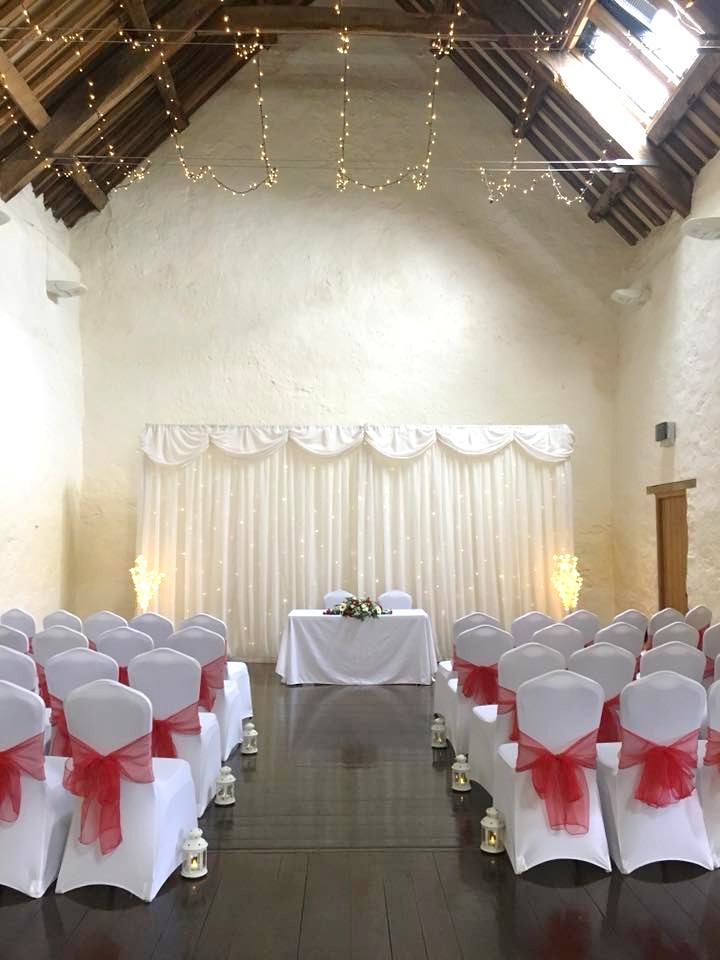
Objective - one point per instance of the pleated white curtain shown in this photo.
(249, 523)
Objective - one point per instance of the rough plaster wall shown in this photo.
(41, 398)
(300, 304)
(669, 351)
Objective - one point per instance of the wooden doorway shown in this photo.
(672, 542)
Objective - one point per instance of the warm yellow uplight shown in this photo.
(566, 580)
(146, 582)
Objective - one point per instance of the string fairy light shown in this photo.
(418, 174)
(567, 580)
(146, 582)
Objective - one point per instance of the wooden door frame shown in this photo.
(664, 491)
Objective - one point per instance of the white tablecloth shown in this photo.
(319, 648)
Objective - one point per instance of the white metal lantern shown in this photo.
(225, 788)
(250, 738)
(438, 730)
(493, 831)
(194, 850)
(461, 774)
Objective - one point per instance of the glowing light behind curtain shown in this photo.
(248, 536)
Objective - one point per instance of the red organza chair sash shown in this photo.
(709, 668)
(96, 778)
(668, 770)
(25, 757)
(92, 645)
(712, 750)
(212, 677)
(559, 779)
(506, 703)
(30, 648)
(60, 746)
(609, 729)
(638, 658)
(42, 684)
(701, 631)
(186, 720)
(478, 683)
(123, 676)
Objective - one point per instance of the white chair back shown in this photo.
(14, 639)
(587, 623)
(107, 715)
(558, 708)
(522, 628)
(523, 663)
(483, 645)
(662, 618)
(678, 630)
(168, 678)
(699, 617)
(644, 705)
(20, 620)
(22, 714)
(395, 600)
(606, 664)
(470, 620)
(101, 621)
(154, 625)
(123, 643)
(204, 645)
(18, 668)
(624, 635)
(675, 656)
(63, 618)
(67, 671)
(207, 621)
(635, 618)
(711, 641)
(335, 596)
(560, 636)
(55, 640)
(713, 706)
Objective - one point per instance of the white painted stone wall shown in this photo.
(302, 305)
(41, 401)
(669, 352)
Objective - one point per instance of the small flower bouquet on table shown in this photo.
(359, 608)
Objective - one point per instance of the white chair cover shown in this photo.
(561, 637)
(335, 596)
(154, 625)
(482, 646)
(635, 618)
(662, 618)
(47, 643)
(523, 628)
(123, 643)
(395, 600)
(156, 817)
(711, 642)
(475, 619)
(71, 669)
(587, 623)
(699, 617)
(171, 681)
(488, 728)
(206, 646)
(624, 635)
(14, 639)
(63, 618)
(101, 621)
(20, 620)
(605, 663)
(678, 630)
(18, 668)
(708, 778)
(676, 656)
(235, 670)
(556, 710)
(443, 698)
(639, 834)
(33, 844)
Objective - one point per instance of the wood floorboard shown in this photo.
(347, 843)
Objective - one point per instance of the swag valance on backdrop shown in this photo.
(176, 445)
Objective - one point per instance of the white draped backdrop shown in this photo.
(249, 522)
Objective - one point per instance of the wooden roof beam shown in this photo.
(113, 81)
(164, 79)
(26, 101)
(688, 90)
(576, 24)
(617, 185)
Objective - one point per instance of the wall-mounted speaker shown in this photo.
(665, 433)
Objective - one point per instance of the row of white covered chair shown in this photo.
(111, 814)
(633, 800)
(390, 600)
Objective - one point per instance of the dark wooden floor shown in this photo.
(346, 842)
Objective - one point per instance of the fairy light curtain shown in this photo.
(248, 523)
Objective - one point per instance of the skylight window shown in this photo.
(671, 43)
(636, 81)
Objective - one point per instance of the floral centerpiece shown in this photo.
(361, 608)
